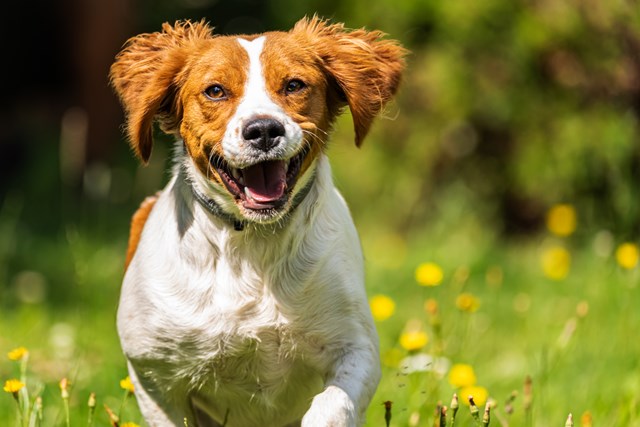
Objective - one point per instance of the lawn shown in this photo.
(457, 307)
(493, 199)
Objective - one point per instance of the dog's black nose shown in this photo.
(263, 134)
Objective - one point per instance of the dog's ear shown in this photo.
(365, 68)
(147, 75)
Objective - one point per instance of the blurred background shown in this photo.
(507, 109)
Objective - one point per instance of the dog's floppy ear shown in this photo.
(365, 67)
(146, 76)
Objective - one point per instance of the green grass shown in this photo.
(576, 338)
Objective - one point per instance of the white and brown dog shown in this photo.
(243, 302)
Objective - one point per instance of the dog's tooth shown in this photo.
(286, 166)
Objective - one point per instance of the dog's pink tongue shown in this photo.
(266, 181)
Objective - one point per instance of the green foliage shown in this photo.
(515, 105)
(506, 109)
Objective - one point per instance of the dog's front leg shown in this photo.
(154, 406)
(349, 389)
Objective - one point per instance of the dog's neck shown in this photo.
(238, 224)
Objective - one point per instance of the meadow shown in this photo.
(497, 202)
(459, 309)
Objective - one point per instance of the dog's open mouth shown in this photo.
(264, 185)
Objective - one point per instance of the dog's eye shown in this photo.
(294, 85)
(215, 92)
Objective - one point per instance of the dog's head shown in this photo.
(254, 111)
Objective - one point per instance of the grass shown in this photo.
(542, 342)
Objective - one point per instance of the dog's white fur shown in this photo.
(266, 326)
(255, 323)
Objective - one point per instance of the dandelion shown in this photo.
(627, 255)
(462, 375)
(413, 340)
(454, 408)
(479, 394)
(467, 302)
(64, 392)
(91, 403)
(129, 424)
(486, 418)
(126, 384)
(561, 220)
(128, 388)
(442, 416)
(13, 386)
(429, 274)
(114, 420)
(18, 353)
(382, 307)
(473, 407)
(556, 262)
(64, 387)
(569, 422)
(586, 420)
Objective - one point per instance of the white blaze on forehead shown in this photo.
(256, 100)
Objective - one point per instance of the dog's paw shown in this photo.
(331, 408)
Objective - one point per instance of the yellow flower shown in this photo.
(18, 353)
(126, 384)
(462, 375)
(129, 424)
(413, 340)
(382, 307)
(480, 395)
(64, 388)
(556, 262)
(64, 384)
(627, 255)
(467, 302)
(561, 220)
(429, 274)
(13, 386)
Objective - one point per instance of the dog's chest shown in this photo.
(228, 329)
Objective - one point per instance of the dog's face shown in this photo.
(254, 111)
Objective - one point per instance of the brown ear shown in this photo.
(146, 76)
(366, 68)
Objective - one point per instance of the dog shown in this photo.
(243, 300)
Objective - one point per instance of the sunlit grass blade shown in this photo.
(35, 418)
(528, 400)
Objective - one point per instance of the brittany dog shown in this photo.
(243, 302)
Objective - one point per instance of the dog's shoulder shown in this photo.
(137, 225)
